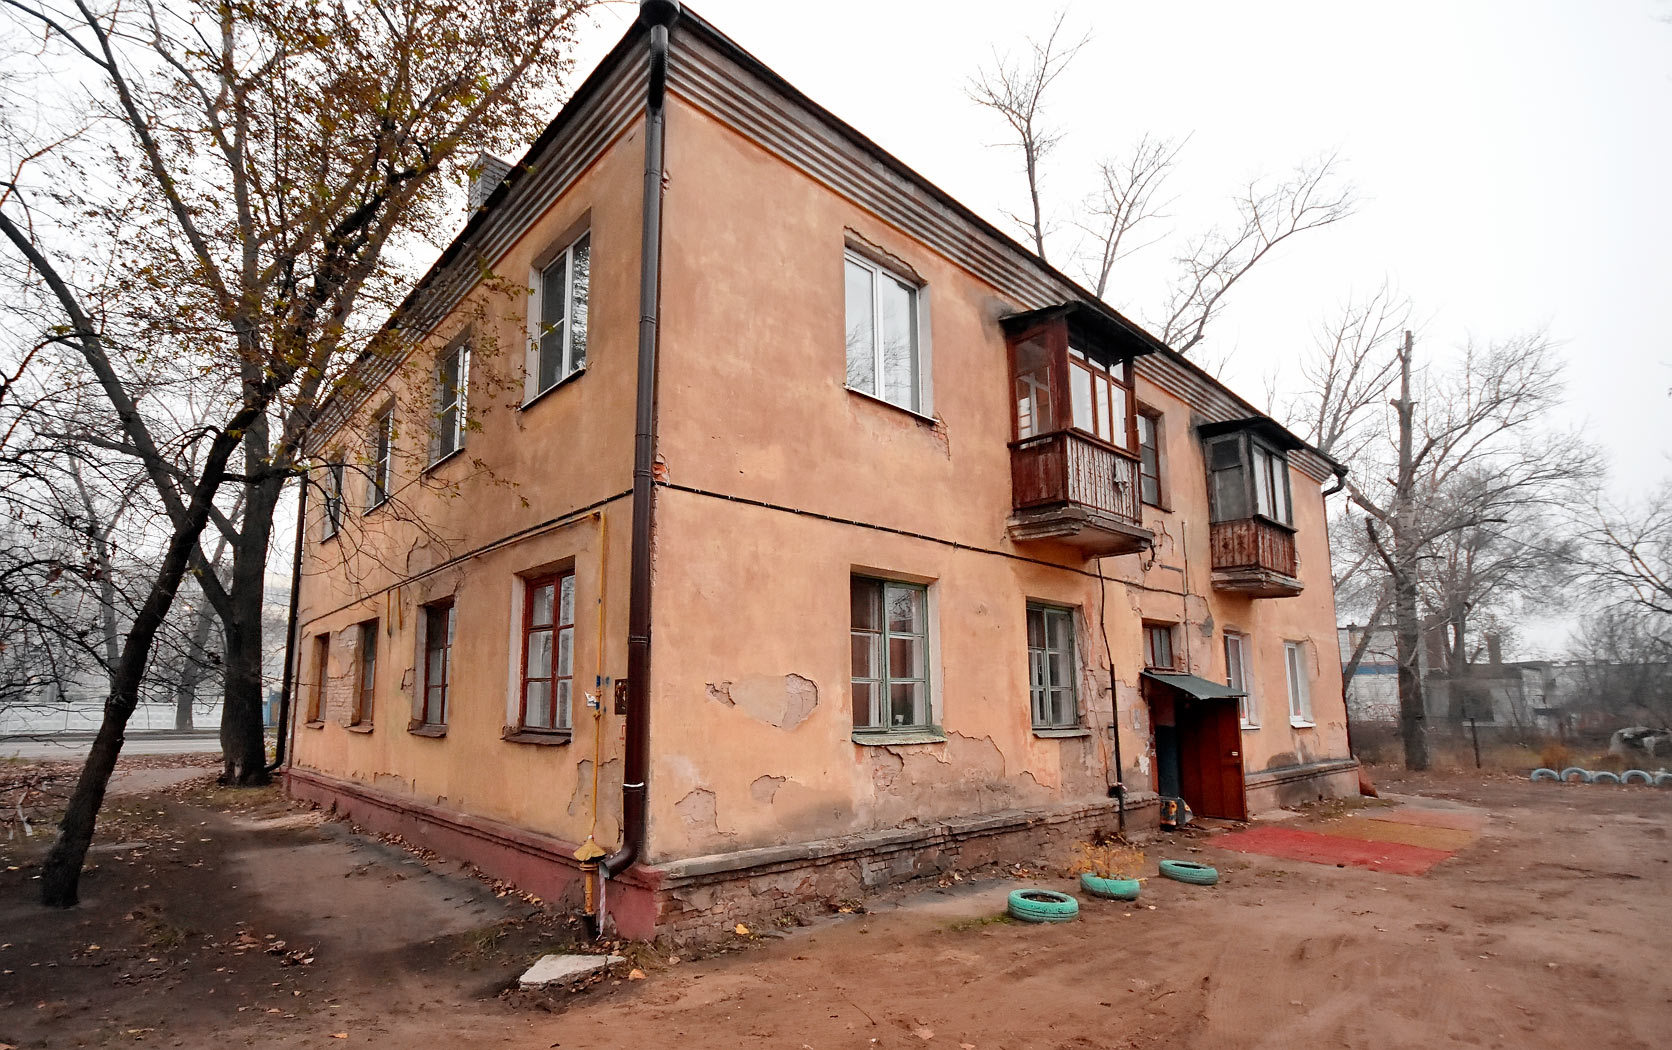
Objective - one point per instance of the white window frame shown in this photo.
(451, 398)
(1040, 684)
(921, 403)
(1171, 632)
(567, 365)
(381, 475)
(1300, 695)
(1250, 709)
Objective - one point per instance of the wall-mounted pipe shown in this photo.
(660, 16)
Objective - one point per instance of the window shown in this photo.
(1101, 398)
(1300, 702)
(890, 655)
(557, 345)
(333, 500)
(882, 334)
(366, 688)
(1158, 646)
(1149, 457)
(322, 672)
(1237, 677)
(439, 621)
(1051, 667)
(382, 438)
(1247, 477)
(548, 652)
(452, 380)
(1271, 484)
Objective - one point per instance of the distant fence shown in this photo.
(84, 716)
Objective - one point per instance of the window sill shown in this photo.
(448, 458)
(930, 421)
(1247, 726)
(317, 723)
(1298, 723)
(559, 385)
(538, 737)
(420, 729)
(880, 738)
(374, 507)
(359, 727)
(1060, 732)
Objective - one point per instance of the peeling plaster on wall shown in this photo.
(393, 782)
(765, 788)
(784, 702)
(886, 765)
(701, 814)
(1206, 627)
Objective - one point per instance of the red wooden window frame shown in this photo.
(444, 613)
(366, 686)
(557, 718)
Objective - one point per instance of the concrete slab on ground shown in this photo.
(555, 969)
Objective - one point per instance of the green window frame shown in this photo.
(890, 647)
(1052, 675)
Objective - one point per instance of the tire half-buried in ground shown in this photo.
(1035, 905)
(1189, 871)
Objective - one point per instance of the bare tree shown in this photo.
(1268, 214)
(1344, 381)
(261, 163)
(1627, 551)
(1015, 88)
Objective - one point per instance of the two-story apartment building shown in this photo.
(746, 509)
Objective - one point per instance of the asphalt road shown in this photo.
(137, 744)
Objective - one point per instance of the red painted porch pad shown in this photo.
(1294, 844)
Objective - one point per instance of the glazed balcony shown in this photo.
(1072, 489)
(1256, 557)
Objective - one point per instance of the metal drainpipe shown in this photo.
(1340, 482)
(660, 15)
(289, 679)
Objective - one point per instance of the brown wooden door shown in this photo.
(1210, 759)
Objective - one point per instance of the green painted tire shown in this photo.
(1110, 889)
(1033, 905)
(1189, 871)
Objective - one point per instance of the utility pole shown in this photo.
(1413, 719)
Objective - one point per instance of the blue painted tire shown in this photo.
(1583, 774)
(1034, 905)
(1603, 776)
(1189, 871)
(1545, 774)
(1637, 776)
(1110, 889)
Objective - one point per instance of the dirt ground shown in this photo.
(234, 919)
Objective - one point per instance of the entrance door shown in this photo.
(1210, 758)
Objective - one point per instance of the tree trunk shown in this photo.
(1413, 719)
(243, 734)
(194, 669)
(61, 870)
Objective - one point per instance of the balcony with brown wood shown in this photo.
(1072, 489)
(1255, 557)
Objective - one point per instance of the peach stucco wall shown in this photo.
(751, 717)
(756, 599)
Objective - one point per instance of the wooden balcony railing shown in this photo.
(1074, 489)
(1255, 556)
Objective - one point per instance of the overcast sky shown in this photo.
(1513, 159)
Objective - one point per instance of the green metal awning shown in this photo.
(1200, 688)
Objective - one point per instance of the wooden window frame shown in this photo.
(380, 477)
(1249, 708)
(1044, 711)
(321, 678)
(561, 720)
(1165, 630)
(570, 356)
(447, 609)
(332, 502)
(881, 702)
(451, 398)
(1300, 685)
(365, 678)
(1248, 447)
(1149, 415)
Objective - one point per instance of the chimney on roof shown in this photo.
(485, 176)
(1494, 648)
